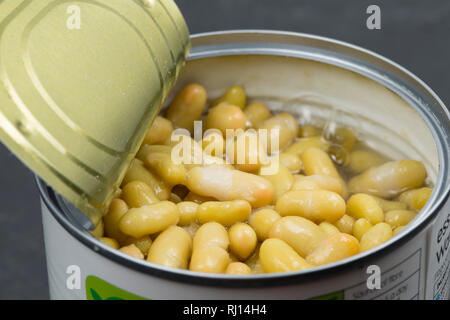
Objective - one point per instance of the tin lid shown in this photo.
(81, 82)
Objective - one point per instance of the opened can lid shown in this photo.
(80, 82)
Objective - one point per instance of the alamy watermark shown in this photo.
(73, 281)
(374, 280)
(373, 22)
(73, 22)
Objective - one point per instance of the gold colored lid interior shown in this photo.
(81, 82)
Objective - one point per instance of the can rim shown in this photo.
(287, 278)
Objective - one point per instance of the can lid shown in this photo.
(81, 82)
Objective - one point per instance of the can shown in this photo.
(399, 113)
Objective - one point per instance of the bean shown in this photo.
(172, 248)
(234, 95)
(137, 194)
(397, 230)
(398, 218)
(276, 255)
(339, 155)
(301, 234)
(146, 149)
(238, 268)
(210, 160)
(144, 243)
(291, 161)
(209, 259)
(256, 113)
(186, 151)
(281, 180)
(286, 126)
(159, 131)
(98, 232)
(389, 179)
(138, 172)
(188, 212)
(318, 162)
(225, 116)
(175, 198)
(361, 160)
(257, 268)
(254, 257)
(138, 222)
(243, 240)
(305, 184)
(209, 249)
(344, 137)
(262, 220)
(387, 205)
(345, 224)
(213, 143)
(193, 197)
(315, 205)
(320, 181)
(416, 199)
(117, 209)
(211, 234)
(308, 131)
(192, 228)
(336, 247)
(328, 228)
(299, 146)
(226, 184)
(110, 242)
(360, 227)
(170, 172)
(247, 152)
(375, 236)
(187, 107)
(226, 213)
(362, 205)
(132, 251)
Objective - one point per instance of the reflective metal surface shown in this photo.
(80, 81)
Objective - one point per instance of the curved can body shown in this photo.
(398, 114)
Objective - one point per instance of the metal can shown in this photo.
(294, 72)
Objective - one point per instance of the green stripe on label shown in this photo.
(98, 289)
(331, 296)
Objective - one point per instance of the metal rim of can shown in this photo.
(322, 49)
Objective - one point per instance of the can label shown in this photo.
(400, 282)
(438, 281)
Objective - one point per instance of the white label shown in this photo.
(438, 282)
(400, 282)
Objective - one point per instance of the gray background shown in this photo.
(415, 33)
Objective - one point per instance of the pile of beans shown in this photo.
(332, 197)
